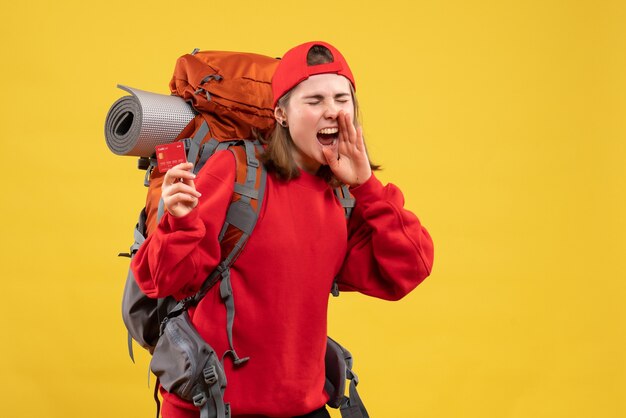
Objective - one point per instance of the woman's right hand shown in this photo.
(178, 190)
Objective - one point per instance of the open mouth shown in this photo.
(327, 136)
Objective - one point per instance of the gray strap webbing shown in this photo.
(160, 210)
(205, 404)
(221, 409)
(241, 215)
(263, 181)
(355, 399)
(350, 411)
(347, 201)
(208, 149)
(204, 410)
(246, 191)
(223, 145)
(139, 239)
(353, 407)
(216, 394)
(194, 146)
(226, 292)
(250, 155)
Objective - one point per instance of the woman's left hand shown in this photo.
(349, 163)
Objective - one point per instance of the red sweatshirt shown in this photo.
(281, 280)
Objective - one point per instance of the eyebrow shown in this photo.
(320, 97)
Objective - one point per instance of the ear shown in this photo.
(280, 115)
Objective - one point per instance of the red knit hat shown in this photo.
(293, 69)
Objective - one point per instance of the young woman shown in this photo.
(300, 244)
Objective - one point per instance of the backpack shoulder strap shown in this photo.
(241, 218)
(345, 198)
(247, 200)
(243, 211)
(347, 202)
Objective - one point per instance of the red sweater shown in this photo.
(281, 280)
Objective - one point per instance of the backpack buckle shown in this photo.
(199, 400)
(210, 375)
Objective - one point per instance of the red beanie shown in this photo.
(293, 69)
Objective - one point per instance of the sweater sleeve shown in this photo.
(182, 251)
(389, 251)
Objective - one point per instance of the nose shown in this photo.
(331, 111)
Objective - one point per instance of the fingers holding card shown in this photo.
(178, 190)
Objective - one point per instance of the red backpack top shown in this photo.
(232, 91)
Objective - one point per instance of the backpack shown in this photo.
(231, 94)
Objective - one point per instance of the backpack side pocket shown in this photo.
(189, 367)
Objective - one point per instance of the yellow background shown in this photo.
(503, 123)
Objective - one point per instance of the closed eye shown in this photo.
(343, 97)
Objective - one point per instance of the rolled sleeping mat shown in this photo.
(136, 124)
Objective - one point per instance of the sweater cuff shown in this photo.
(370, 191)
(182, 223)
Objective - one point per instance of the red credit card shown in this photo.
(169, 155)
